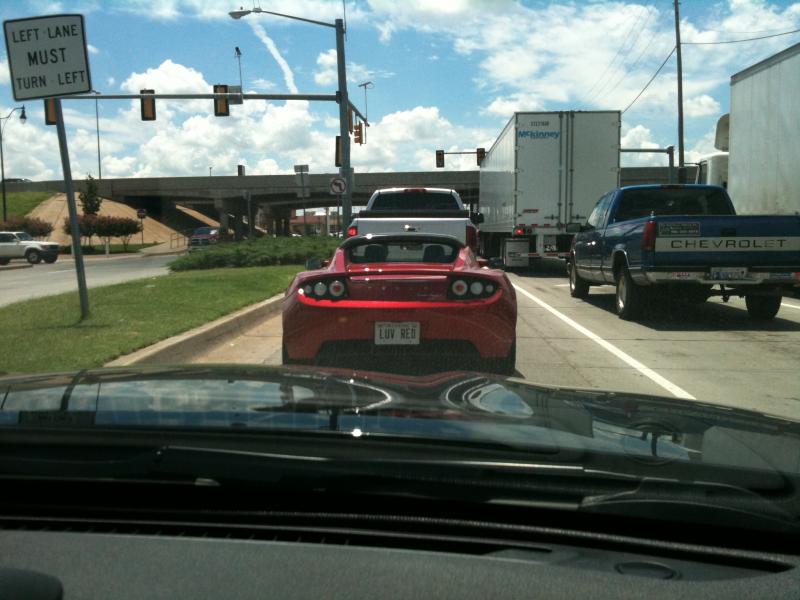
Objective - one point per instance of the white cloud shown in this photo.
(701, 106)
(110, 82)
(327, 73)
(92, 49)
(640, 137)
(5, 74)
(263, 84)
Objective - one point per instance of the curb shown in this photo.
(183, 347)
(15, 267)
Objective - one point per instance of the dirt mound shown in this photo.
(54, 211)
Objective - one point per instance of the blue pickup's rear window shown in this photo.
(672, 201)
(414, 200)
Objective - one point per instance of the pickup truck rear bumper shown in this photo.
(786, 277)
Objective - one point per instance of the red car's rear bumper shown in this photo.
(488, 325)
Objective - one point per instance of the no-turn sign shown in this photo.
(47, 56)
(338, 185)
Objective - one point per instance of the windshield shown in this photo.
(219, 154)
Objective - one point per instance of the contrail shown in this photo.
(273, 50)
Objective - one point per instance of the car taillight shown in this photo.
(519, 230)
(325, 289)
(472, 237)
(352, 231)
(467, 288)
(649, 236)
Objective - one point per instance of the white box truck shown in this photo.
(760, 162)
(545, 170)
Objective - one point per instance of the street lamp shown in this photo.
(23, 118)
(344, 104)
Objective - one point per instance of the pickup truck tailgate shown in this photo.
(727, 241)
(454, 227)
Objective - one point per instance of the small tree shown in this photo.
(36, 227)
(90, 201)
(86, 226)
(127, 228)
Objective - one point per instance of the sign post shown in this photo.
(337, 187)
(48, 58)
(142, 214)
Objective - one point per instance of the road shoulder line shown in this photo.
(626, 358)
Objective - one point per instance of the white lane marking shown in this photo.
(644, 370)
(561, 285)
(790, 305)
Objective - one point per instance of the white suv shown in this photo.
(18, 244)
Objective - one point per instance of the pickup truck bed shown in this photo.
(706, 251)
(410, 210)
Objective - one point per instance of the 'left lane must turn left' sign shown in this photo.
(47, 56)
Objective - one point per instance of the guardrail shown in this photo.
(178, 240)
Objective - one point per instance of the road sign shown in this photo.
(47, 56)
(338, 185)
(141, 213)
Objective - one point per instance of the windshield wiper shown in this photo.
(706, 503)
(519, 483)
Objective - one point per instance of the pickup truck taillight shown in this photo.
(352, 231)
(649, 236)
(472, 238)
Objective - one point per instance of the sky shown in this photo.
(445, 74)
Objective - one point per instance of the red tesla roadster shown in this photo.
(417, 296)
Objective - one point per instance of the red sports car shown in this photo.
(419, 296)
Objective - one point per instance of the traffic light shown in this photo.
(338, 160)
(50, 111)
(221, 107)
(440, 159)
(481, 152)
(358, 133)
(148, 106)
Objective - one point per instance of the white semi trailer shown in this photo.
(760, 158)
(545, 170)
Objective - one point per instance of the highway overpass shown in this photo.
(276, 196)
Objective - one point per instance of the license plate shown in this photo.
(396, 334)
(728, 273)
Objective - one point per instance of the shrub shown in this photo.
(35, 227)
(261, 252)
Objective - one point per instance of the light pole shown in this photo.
(344, 104)
(97, 128)
(23, 118)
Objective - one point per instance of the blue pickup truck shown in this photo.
(656, 242)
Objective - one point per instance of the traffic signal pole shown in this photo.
(344, 126)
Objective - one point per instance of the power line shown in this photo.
(651, 79)
(634, 64)
(763, 37)
(619, 51)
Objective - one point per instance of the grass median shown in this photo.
(45, 334)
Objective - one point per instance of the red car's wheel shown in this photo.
(507, 365)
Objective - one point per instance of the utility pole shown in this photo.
(681, 173)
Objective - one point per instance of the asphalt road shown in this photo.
(45, 280)
(712, 352)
